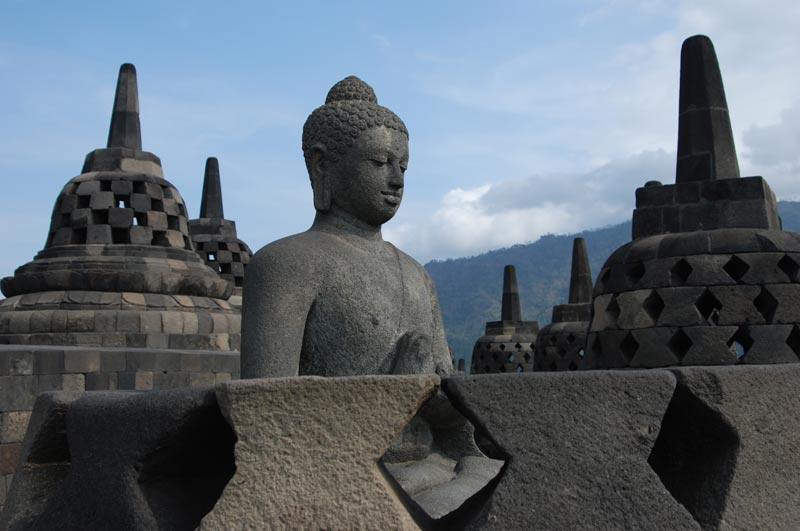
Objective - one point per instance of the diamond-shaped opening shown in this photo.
(629, 346)
(679, 273)
(708, 306)
(502, 346)
(612, 311)
(511, 358)
(570, 338)
(573, 366)
(635, 272)
(794, 341)
(581, 353)
(527, 357)
(520, 368)
(443, 467)
(182, 480)
(789, 266)
(695, 456)
(736, 268)
(653, 305)
(518, 346)
(679, 344)
(741, 342)
(766, 305)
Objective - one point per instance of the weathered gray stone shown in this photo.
(287, 485)
(575, 462)
(337, 299)
(136, 461)
(727, 447)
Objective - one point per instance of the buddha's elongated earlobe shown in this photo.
(320, 182)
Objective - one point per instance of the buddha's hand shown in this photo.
(413, 354)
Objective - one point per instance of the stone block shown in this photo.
(140, 235)
(150, 322)
(700, 217)
(156, 220)
(198, 362)
(343, 491)
(102, 201)
(48, 361)
(19, 322)
(226, 362)
(154, 361)
(119, 444)
(646, 222)
(201, 379)
(737, 304)
(135, 380)
(174, 238)
(755, 214)
(654, 349)
(88, 188)
(120, 217)
(101, 381)
(172, 322)
(13, 425)
(128, 321)
(709, 345)
(158, 341)
(40, 321)
(594, 473)
(140, 203)
(727, 447)
(679, 306)
(769, 345)
(16, 363)
(687, 193)
(113, 361)
(62, 382)
(9, 455)
(98, 234)
(18, 392)
(122, 187)
(170, 380)
(648, 196)
(634, 311)
(76, 361)
(80, 217)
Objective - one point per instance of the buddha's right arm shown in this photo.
(276, 302)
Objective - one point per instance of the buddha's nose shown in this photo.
(396, 176)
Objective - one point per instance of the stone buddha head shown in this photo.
(356, 152)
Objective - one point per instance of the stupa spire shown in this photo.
(125, 131)
(211, 202)
(580, 280)
(706, 151)
(511, 308)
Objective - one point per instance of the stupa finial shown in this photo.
(211, 202)
(511, 308)
(580, 280)
(125, 130)
(706, 151)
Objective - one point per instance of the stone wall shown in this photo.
(27, 371)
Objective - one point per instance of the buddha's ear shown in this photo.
(320, 181)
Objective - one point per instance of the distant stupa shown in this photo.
(118, 268)
(214, 237)
(560, 345)
(709, 278)
(509, 344)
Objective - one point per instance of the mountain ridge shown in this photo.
(470, 288)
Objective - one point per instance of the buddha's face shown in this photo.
(367, 182)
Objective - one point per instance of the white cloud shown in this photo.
(505, 213)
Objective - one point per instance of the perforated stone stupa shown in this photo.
(709, 278)
(118, 268)
(214, 237)
(560, 345)
(509, 344)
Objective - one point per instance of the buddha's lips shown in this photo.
(392, 197)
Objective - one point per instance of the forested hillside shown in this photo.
(470, 288)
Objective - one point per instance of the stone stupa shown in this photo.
(509, 344)
(709, 278)
(214, 237)
(560, 345)
(119, 268)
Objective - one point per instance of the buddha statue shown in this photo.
(338, 300)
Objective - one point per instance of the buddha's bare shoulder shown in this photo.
(298, 255)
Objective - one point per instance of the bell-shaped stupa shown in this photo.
(508, 344)
(560, 345)
(709, 278)
(119, 268)
(214, 237)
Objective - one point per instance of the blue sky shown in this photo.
(525, 117)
